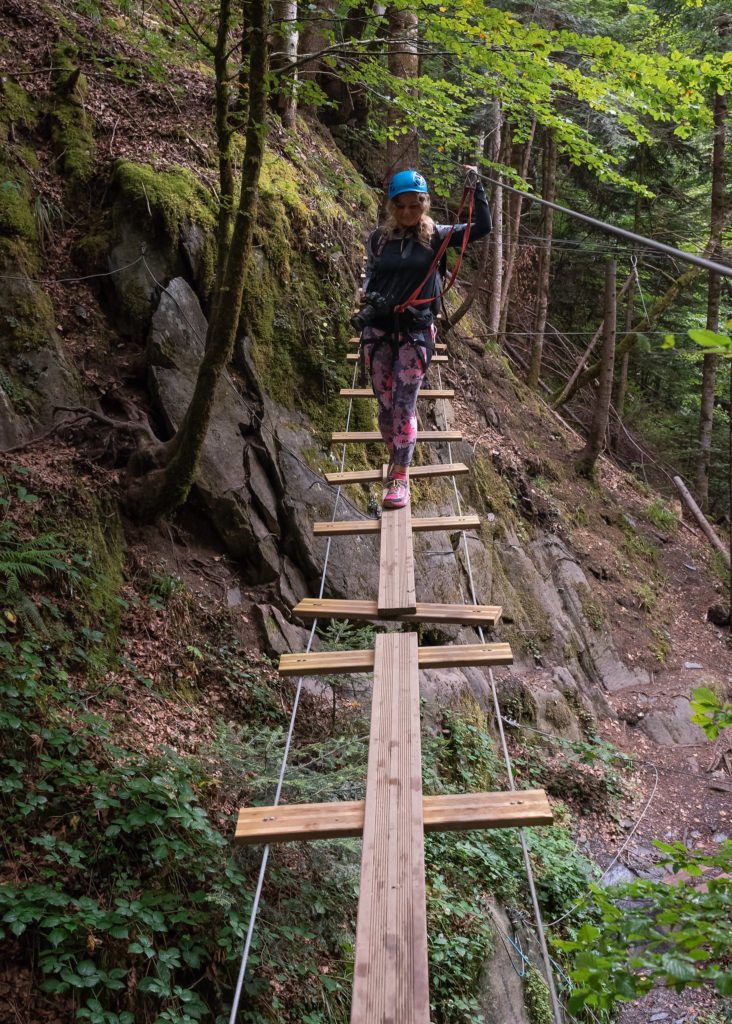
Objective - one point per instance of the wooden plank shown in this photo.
(322, 663)
(397, 590)
(363, 476)
(350, 527)
(390, 976)
(352, 357)
(364, 436)
(360, 611)
(440, 346)
(423, 393)
(344, 819)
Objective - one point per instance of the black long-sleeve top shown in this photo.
(403, 262)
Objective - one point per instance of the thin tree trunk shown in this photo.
(163, 490)
(578, 369)
(515, 203)
(499, 139)
(402, 150)
(224, 134)
(587, 459)
(549, 188)
(709, 369)
(284, 53)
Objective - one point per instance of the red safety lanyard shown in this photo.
(413, 300)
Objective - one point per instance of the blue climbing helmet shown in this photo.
(407, 181)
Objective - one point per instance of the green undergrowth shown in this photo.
(123, 894)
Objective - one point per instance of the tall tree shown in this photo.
(714, 290)
(402, 147)
(549, 191)
(587, 458)
(284, 56)
(166, 485)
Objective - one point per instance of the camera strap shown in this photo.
(414, 300)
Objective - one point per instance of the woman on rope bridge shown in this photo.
(399, 301)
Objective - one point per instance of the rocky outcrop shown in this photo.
(35, 375)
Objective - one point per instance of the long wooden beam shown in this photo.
(320, 663)
(439, 347)
(364, 476)
(359, 611)
(344, 819)
(352, 357)
(397, 589)
(390, 975)
(424, 393)
(363, 436)
(350, 527)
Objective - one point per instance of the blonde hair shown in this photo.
(424, 230)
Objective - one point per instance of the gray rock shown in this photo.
(692, 664)
(281, 636)
(720, 837)
(618, 875)
(136, 282)
(673, 726)
(233, 597)
(35, 382)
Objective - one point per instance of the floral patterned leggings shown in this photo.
(396, 377)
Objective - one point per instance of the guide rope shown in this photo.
(556, 1010)
(286, 752)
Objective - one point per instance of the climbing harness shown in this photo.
(405, 308)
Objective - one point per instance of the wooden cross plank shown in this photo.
(423, 393)
(390, 975)
(449, 656)
(344, 819)
(397, 590)
(349, 527)
(352, 357)
(364, 476)
(364, 436)
(360, 611)
(439, 346)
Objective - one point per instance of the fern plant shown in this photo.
(23, 559)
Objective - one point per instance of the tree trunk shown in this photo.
(568, 386)
(224, 132)
(709, 370)
(402, 150)
(514, 226)
(499, 140)
(621, 387)
(284, 53)
(587, 459)
(548, 190)
(164, 489)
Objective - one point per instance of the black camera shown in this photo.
(374, 306)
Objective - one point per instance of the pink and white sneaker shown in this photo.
(397, 493)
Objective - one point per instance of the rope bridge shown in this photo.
(391, 984)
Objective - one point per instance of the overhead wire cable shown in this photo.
(613, 229)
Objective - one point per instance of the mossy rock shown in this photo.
(73, 128)
(16, 216)
(15, 108)
(170, 197)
